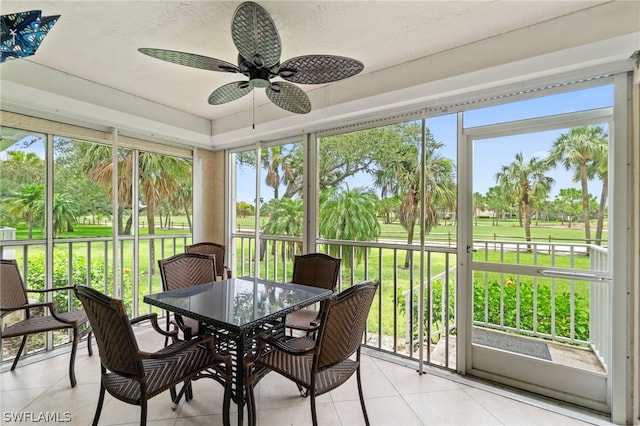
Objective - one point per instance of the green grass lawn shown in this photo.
(484, 230)
(395, 282)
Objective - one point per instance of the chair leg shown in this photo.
(312, 394)
(143, 405)
(15, 360)
(251, 404)
(228, 384)
(167, 327)
(364, 409)
(96, 417)
(89, 344)
(174, 396)
(187, 390)
(143, 412)
(72, 361)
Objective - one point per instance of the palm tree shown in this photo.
(286, 219)
(28, 165)
(401, 173)
(25, 203)
(158, 178)
(495, 202)
(274, 160)
(600, 168)
(349, 215)
(96, 162)
(479, 204)
(181, 200)
(17, 169)
(578, 150)
(65, 213)
(528, 181)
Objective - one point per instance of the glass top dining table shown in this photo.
(236, 311)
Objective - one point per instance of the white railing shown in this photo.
(393, 324)
(89, 261)
(554, 309)
(440, 322)
(600, 307)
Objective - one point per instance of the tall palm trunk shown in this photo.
(601, 210)
(409, 254)
(185, 206)
(585, 203)
(151, 229)
(527, 219)
(30, 224)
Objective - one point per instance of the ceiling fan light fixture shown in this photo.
(259, 83)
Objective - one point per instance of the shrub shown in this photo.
(508, 294)
(437, 309)
(36, 278)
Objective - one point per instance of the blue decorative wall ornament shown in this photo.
(22, 33)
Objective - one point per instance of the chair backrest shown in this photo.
(12, 290)
(186, 270)
(343, 323)
(210, 248)
(110, 324)
(316, 270)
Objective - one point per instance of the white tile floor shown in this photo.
(395, 395)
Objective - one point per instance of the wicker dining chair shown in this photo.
(320, 365)
(181, 271)
(218, 250)
(135, 376)
(14, 298)
(316, 270)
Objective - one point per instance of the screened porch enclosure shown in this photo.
(460, 271)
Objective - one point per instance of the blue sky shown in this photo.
(491, 154)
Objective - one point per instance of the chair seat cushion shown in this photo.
(34, 325)
(161, 374)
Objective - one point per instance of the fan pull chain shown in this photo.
(253, 109)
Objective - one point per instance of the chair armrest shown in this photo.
(50, 305)
(48, 290)
(285, 347)
(53, 307)
(153, 318)
(28, 306)
(205, 341)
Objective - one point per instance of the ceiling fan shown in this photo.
(258, 42)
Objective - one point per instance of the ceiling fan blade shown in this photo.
(290, 97)
(229, 92)
(255, 35)
(190, 59)
(316, 69)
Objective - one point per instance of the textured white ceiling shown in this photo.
(97, 41)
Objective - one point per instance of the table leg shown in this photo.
(240, 349)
